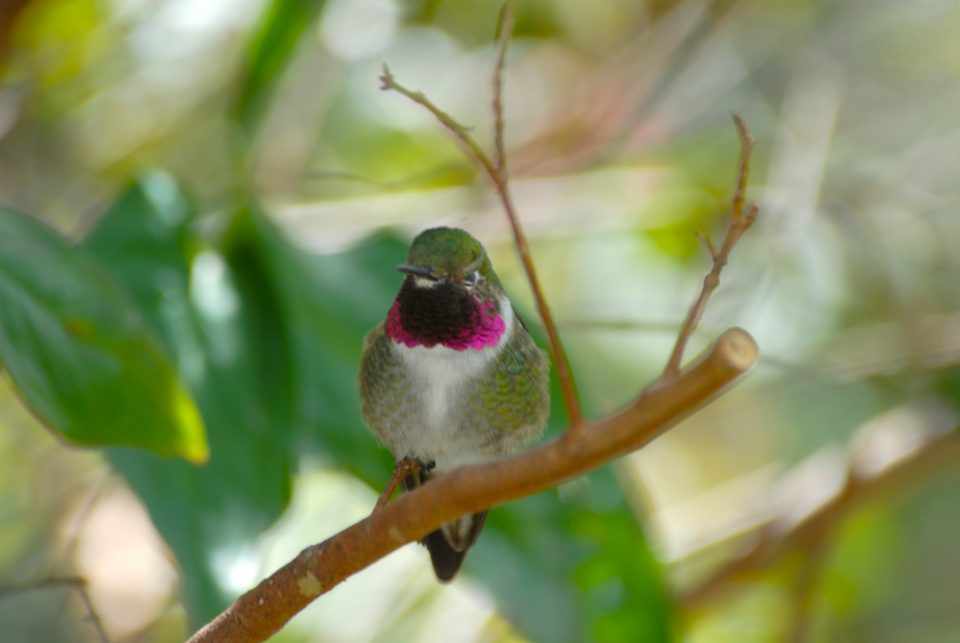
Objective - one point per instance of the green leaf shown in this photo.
(622, 591)
(78, 352)
(573, 566)
(215, 310)
(331, 302)
(268, 339)
(273, 43)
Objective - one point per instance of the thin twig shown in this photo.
(92, 614)
(96, 491)
(75, 583)
(747, 143)
(497, 174)
(739, 222)
(705, 240)
(460, 132)
(45, 583)
(564, 373)
(504, 31)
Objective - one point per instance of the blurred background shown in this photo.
(235, 169)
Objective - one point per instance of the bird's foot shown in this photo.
(405, 467)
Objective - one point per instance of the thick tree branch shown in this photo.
(317, 569)
(496, 171)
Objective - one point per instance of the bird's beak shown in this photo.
(420, 271)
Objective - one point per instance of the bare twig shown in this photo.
(75, 583)
(778, 537)
(263, 610)
(705, 240)
(739, 222)
(496, 171)
(504, 31)
(96, 491)
(460, 133)
(92, 614)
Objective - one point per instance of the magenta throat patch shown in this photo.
(486, 329)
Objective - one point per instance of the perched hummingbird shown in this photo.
(452, 376)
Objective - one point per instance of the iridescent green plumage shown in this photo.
(448, 252)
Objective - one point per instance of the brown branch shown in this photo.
(739, 222)
(779, 537)
(496, 171)
(75, 583)
(260, 612)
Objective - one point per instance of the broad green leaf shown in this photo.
(216, 311)
(623, 595)
(331, 301)
(78, 352)
(268, 340)
(573, 565)
(273, 43)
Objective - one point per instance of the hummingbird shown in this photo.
(451, 376)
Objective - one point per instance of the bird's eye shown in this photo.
(472, 279)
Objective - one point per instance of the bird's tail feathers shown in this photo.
(448, 545)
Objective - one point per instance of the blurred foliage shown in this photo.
(206, 187)
(78, 353)
(281, 28)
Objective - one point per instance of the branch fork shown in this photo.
(738, 223)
